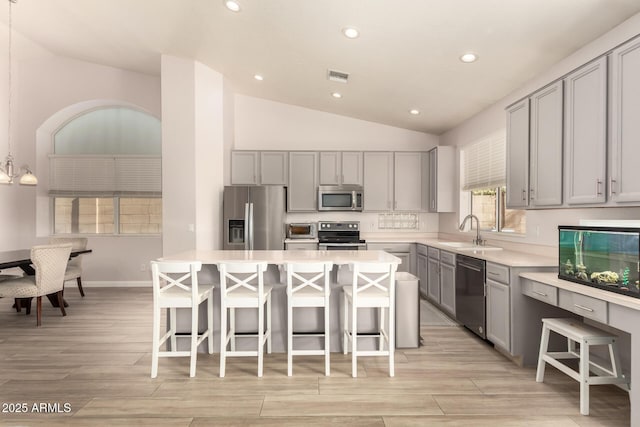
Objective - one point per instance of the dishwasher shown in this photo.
(470, 294)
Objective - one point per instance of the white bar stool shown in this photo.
(246, 290)
(173, 292)
(373, 286)
(586, 336)
(308, 292)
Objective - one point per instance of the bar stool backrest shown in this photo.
(167, 285)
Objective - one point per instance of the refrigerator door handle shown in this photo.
(246, 226)
(251, 226)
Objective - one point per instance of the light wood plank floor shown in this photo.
(97, 361)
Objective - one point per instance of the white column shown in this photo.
(192, 155)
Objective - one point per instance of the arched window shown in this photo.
(106, 173)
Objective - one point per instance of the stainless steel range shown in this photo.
(340, 236)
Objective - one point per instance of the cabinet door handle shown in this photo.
(611, 182)
(598, 182)
(582, 307)
(542, 294)
(531, 194)
(524, 194)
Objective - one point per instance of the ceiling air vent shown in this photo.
(337, 76)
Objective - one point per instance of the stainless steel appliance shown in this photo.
(253, 217)
(340, 198)
(470, 294)
(302, 230)
(342, 236)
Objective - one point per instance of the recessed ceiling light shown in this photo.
(350, 32)
(336, 95)
(469, 57)
(414, 112)
(258, 77)
(232, 5)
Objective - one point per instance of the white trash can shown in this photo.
(407, 310)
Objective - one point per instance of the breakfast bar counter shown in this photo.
(283, 257)
(307, 320)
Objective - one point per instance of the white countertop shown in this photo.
(282, 257)
(506, 257)
(612, 297)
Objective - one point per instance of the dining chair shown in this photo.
(74, 266)
(373, 286)
(242, 286)
(175, 285)
(50, 263)
(308, 285)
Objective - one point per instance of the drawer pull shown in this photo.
(582, 307)
(542, 294)
(493, 273)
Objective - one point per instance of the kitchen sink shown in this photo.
(465, 246)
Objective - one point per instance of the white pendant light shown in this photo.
(7, 168)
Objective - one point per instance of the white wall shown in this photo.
(268, 125)
(542, 224)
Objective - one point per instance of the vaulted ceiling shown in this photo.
(406, 57)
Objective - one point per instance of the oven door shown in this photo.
(342, 246)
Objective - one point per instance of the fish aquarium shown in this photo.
(603, 257)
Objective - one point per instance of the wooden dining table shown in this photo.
(22, 258)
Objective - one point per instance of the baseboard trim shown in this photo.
(114, 284)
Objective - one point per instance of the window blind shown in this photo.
(105, 175)
(484, 163)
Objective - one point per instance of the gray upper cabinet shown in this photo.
(545, 158)
(586, 133)
(407, 183)
(244, 167)
(341, 168)
(442, 179)
(352, 167)
(378, 181)
(273, 167)
(303, 181)
(518, 154)
(259, 168)
(624, 185)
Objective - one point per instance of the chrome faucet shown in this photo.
(478, 240)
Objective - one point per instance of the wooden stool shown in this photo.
(586, 336)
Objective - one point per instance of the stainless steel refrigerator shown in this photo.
(254, 217)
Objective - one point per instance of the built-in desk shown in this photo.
(312, 320)
(608, 308)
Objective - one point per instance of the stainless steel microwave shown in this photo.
(340, 198)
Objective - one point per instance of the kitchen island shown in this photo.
(306, 320)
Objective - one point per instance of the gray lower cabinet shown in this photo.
(422, 274)
(586, 133)
(498, 319)
(448, 282)
(303, 181)
(624, 152)
(433, 280)
(404, 251)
